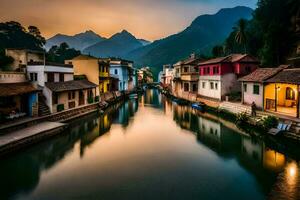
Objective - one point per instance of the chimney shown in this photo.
(193, 56)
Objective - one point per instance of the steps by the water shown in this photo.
(235, 107)
(43, 108)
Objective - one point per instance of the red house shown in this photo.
(219, 76)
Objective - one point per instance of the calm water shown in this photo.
(151, 149)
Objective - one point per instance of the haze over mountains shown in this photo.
(204, 32)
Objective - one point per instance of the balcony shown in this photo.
(190, 76)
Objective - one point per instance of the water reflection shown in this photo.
(113, 172)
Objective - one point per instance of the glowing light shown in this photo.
(292, 170)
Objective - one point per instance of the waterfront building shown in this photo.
(122, 71)
(23, 56)
(167, 75)
(145, 76)
(219, 76)
(281, 92)
(94, 69)
(70, 94)
(253, 85)
(186, 76)
(18, 97)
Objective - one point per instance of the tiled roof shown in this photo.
(262, 74)
(291, 76)
(13, 89)
(70, 85)
(230, 59)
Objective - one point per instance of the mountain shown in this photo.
(205, 32)
(144, 42)
(118, 45)
(79, 41)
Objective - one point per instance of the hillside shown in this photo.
(204, 32)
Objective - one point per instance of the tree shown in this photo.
(240, 36)
(61, 53)
(218, 51)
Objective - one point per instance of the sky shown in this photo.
(146, 19)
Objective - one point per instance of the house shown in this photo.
(121, 70)
(94, 69)
(281, 92)
(18, 97)
(70, 94)
(167, 75)
(59, 90)
(253, 85)
(39, 72)
(219, 76)
(23, 56)
(186, 76)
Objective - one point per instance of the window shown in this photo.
(186, 87)
(216, 70)
(71, 95)
(195, 88)
(216, 86)
(256, 89)
(211, 85)
(90, 94)
(61, 77)
(245, 87)
(50, 77)
(203, 85)
(116, 71)
(248, 69)
(55, 98)
(33, 76)
(185, 69)
(290, 94)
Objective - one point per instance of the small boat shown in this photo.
(199, 106)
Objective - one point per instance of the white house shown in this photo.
(121, 70)
(39, 73)
(253, 85)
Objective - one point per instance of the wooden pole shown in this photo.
(275, 98)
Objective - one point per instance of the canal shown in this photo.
(150, 148)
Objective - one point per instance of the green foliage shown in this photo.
(270, 35)
(97, 98)
(218, 51)
(59, 54)
(60, 107)
(242, 119)
(90, 100)
(14, 35)
(269, 122)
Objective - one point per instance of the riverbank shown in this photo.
(17, 135)
(232, 112)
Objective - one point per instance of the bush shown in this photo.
(97, 98)
(242, 118)
(269, 122)
(90, 100)
(60, 107)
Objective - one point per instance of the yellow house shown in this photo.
(281, 93)
(94, 69)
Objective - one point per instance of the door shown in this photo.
(81, 98)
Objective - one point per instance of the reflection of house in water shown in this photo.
(125, 111)
(211, 130)
(185, 118)
(27, 166)
(151, 97)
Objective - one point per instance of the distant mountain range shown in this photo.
(204, 32)
(79, 41)
(119, 45)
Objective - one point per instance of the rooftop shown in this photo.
(291, 76)
(231, 59)
(13, 89)
(262, 74)
(70, 85)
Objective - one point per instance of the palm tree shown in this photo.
(240, 36)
